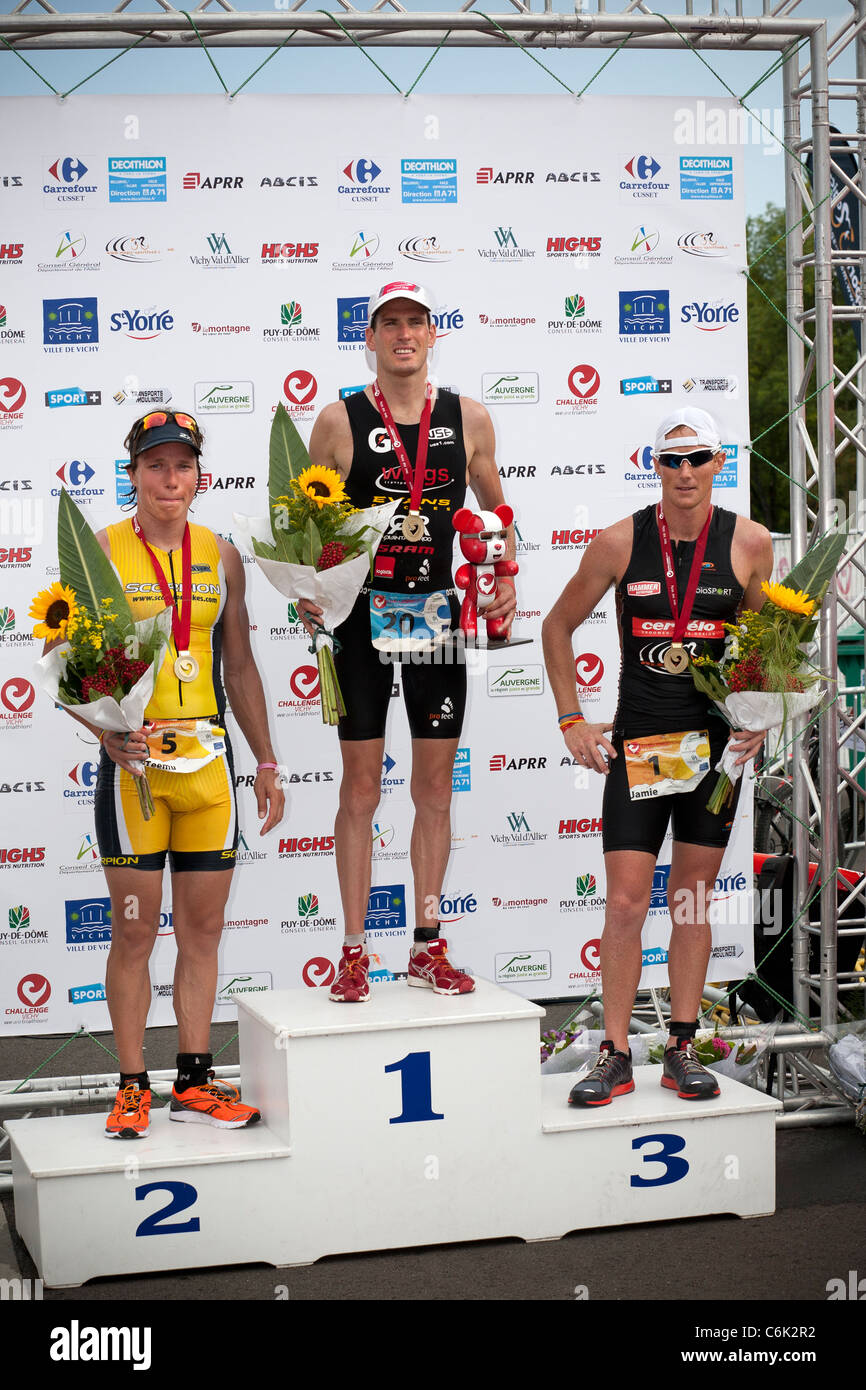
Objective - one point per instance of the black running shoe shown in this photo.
(611, 1076)
(684, 1074)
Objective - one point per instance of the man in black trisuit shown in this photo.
(681, 568)
(401, 437)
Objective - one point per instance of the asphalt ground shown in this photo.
(773, 1273)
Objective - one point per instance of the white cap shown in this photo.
(400, 289)
(703, 426)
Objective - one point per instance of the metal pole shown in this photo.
(826, 511)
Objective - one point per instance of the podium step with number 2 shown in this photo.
(412, 1119)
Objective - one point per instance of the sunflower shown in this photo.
(322, 485)
(54, 609)
(791, 600)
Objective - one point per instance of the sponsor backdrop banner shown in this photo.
(586, 267)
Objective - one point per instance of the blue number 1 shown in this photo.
(416, 1089)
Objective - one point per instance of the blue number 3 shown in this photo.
(675, 1168)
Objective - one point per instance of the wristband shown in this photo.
(267, 767)
(575, 718)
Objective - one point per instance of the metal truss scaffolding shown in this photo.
(803, 1082)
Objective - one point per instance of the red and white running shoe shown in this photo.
(351, 985)
(430, 968)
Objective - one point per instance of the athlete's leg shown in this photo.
(690, 887)
(431, 790)
(136, 895)
(198, 900)
(360, 793)
(629, 879)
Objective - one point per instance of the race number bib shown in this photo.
(184, 745)
(666, 763)
(409, 622)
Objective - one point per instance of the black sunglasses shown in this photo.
(695, 460)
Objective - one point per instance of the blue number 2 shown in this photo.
(675, 1168)
(183, 1195)
(416, 1089)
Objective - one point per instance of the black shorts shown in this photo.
(434, 690)
(642, 825)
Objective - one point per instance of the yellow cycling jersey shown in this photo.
(202, 697)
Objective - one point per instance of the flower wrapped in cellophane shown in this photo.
(104, 670)
(765, 676)
(314, 544)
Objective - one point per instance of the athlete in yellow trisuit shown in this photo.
(162, 560)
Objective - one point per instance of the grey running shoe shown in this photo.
(611, 1076)
(684, 1074)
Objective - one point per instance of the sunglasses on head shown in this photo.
(162, 417)
(695, 460)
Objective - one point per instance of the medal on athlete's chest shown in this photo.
(675, 659)
(412, 525)
(185, 666)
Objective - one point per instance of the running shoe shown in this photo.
(130, 1118)
(351, 985)
(684, 1074)
(214, 1103)
(431, 969)
(611, 1076)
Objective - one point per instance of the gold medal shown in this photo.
(413, 526)
(676, 659)
(185, 666)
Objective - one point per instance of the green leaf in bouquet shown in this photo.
(263, 550)
(707, 682)
(85, 567)
(311, 547)
(814, 572)
(287, 455)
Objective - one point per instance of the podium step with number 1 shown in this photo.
(412, 1119)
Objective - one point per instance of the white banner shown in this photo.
(206, 255)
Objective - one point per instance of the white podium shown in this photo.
(409, 1120)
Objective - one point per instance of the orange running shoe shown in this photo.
(130, 1118)
(214, 1103)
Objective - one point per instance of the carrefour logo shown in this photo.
(76, 473)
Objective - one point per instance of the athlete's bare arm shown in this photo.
(243, 686)
(331, 439)
(603, 565)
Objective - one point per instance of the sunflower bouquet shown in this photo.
(104, 667)
(764, 675)
(314, 544)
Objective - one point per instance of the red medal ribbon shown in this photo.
(415, 483)
(181, 620)
(681, 618)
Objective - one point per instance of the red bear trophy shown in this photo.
(482, 543)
